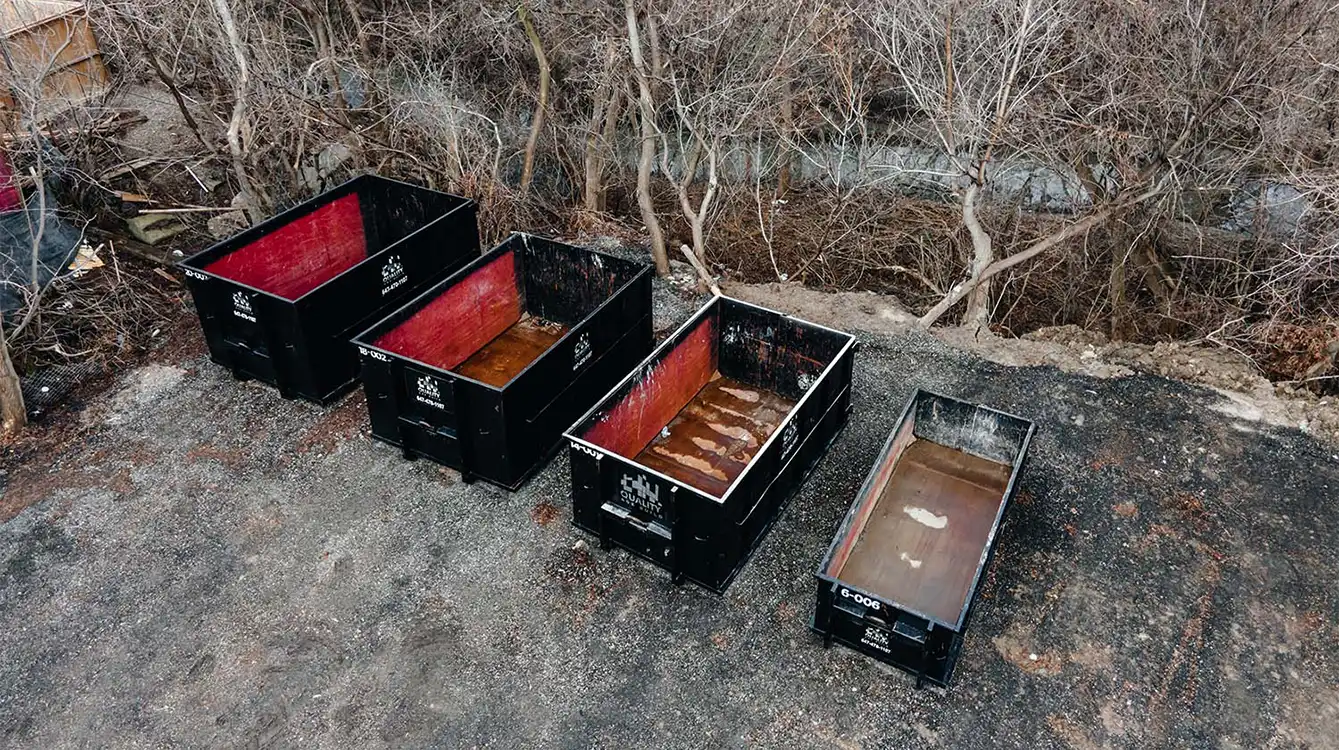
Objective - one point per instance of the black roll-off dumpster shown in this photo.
(902, 574)
(280, 301)
(691, 458)
(484, 370)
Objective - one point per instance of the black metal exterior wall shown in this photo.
(302, 346)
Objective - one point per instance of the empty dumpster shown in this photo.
(483, 371)
(689, 460)
(280, 301)
(900, 578)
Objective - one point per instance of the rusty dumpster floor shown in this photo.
(214, 565)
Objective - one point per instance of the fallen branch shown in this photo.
(702, 271)
(187, 210)
(957, 293)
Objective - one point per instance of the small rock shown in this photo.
(152, 229)
(225, 225)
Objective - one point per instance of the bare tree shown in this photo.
(649, 135)
(541, 100)
(241, 86)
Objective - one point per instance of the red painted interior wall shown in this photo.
(298, 257)
(460, 321)
(628, 427)
(10, 197)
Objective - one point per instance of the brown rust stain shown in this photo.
(925, 537)
(544, 513)
(712, 439)
(1125, 510)
(503, 358)
(341, 424)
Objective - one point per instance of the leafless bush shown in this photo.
(1036, 161)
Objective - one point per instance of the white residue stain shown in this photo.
(909, 560)
(924, 516)
(741, 394)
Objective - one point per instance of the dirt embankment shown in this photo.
(1248, 394)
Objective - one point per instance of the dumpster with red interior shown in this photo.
(280, 301)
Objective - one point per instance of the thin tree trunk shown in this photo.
(537, 123)
(597, 144)
(364, 45)
(609, 139)
(13, 412)
(322, 39)
(249, 196)
(977, 314)
(1116, 284)
(697, 219)
(648, 146)
(784, 166)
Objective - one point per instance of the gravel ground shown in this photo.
(214, 565)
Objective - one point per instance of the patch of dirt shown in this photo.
(1071, 733)
(1125, 510)
(144, 386)
(1014, 646)
(340, 424)
(544, 513)
(232, 459)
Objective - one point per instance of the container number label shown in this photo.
(588, 451)
(861, 599)
(241, 307)
(393, 275)
(196, 275)
(640, 493)
(365, 352)
(582, 351)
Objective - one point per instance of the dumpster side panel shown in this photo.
(468, 313)
(842, 615)
(774, 351)
(660, 390)
(532, 434)
(982, 432)
(647, 514)
(248, 332)
(302, 254)
(561, 381)
(334, 313)
(566, 284)
(378, 381)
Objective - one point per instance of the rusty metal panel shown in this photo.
(901, 576)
